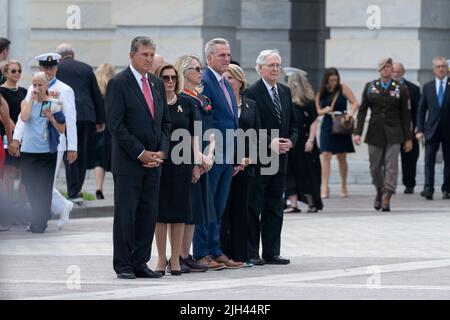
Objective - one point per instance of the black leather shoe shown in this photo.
(257, 261)
(427, 194)
(446, 195)
(409, 190)
(277, 260)
(145, 272)
(126, 275)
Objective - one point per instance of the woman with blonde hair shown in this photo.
(235, 225)
(44, 121)
(104, 73)
(304, 170)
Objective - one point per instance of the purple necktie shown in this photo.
(227, 94)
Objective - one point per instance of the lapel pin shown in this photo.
(153, 85)
(179, 109)
(246, 105)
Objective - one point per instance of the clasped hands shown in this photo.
(151, 159)
(281, 145)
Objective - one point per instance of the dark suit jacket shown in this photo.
(390, 118)
(223, 118)
(88, 99)
(430, 115)
(414, 99)
(269, 120)
(249, 119)
(131, 125)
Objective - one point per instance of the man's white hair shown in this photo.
(262, 58)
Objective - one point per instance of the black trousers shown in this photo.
(431, 148)
(76, 172)
(234, 225)
(135, 210)
(409, 165)
(38, 170)
(266, 215)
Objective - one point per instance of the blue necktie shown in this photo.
(441, 93)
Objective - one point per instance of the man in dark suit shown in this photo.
(435, 108)
(206, 243)
(138, 119)
(90, 114)
(266, 195)
(409, 159)
(4, 52)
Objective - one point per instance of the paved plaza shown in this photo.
(348, 251)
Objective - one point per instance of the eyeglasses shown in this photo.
(198, 69)
(273, 66)
(441, 66)
(13, 71)
(168, 78)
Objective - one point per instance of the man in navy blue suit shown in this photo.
(435, 102)
(206, 242)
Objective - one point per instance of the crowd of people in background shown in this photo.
(219, 203)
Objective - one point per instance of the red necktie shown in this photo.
(148, 96)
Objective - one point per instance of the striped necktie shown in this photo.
(277, 102)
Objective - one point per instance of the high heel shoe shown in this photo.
(325, 195)
(163, 272)
(171, 271)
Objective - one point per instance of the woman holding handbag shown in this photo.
(332, 98)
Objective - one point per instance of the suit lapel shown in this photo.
(267, 99)
(218, 89)
(446, 99)
(284, 103)
(138, 92)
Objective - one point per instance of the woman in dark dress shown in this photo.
(304, 170)
(175, 200)
(234, 226)
(190, 69)
(103, 74)
(14, 95)
(331, 143)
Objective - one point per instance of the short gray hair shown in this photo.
(65, 49)
(263, 55)
(439, 58)
(210, 47)
(141, 41)
(400, 65)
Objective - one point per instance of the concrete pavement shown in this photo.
(348, 251)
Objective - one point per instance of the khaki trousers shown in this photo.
(384, 166)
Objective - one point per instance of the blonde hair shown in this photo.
(301, 90)
(40, 75)
(4, 66)
(183, 64)
(104, 73)
(239, 75)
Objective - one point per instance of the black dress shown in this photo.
(14, 99)
(304, 170)
(203, 210)
(175, 199)
(329, 142)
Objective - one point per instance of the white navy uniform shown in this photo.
(62, 92)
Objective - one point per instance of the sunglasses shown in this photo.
(198, 69)
(13, 71)
(168, 78)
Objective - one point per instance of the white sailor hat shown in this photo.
(48, 59)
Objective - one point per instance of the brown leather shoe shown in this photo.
(229, 263)
(377, 201)
(212, 265)
(386, 201)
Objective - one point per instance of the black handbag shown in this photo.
(342, 124)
